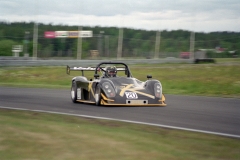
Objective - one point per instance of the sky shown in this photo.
(192, 15)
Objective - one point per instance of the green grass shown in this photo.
(220, 79)
(232, 60)
(41, 136)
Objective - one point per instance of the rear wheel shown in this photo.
(74, 92)
(98, 96)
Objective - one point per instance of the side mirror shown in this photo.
(96, 76)
(68, 70)
(149, 76)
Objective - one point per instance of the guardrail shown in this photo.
(28, 62)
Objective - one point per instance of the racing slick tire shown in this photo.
(74, 92)
(98, 96)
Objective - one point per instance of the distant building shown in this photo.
(217, 50)
(200, 54)
(184, 55)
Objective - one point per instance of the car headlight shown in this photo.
(108, 89)
(158, 90)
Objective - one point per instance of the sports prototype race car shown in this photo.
(114, 85)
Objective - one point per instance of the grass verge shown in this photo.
(41, 136)
(31, 135)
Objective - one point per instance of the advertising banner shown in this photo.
(85, 34)
(67, 34)
(73, 34)
(49, 34)
(61, 34)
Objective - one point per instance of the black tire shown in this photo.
(74, 92)
(98, 96)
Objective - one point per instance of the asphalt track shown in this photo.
(196, 113)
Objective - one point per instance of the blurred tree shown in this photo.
(135, 41)
(6, 47)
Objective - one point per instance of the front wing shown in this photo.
(132, 102)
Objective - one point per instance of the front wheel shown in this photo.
(74, 92)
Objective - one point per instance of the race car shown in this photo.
(113, 85)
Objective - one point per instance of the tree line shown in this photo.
(136, 42)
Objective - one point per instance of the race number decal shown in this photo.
(131, 95)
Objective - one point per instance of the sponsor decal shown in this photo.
(49, 34)
(84, 68)
(68, 34)
(85, 34)
(61, 34)
(73, 34)
(131, 95)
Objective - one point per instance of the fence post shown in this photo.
(35, 41)
(79, 46)
(120, 41)
(157, 44)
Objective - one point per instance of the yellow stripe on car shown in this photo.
(127, 88)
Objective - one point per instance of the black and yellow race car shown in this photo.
(114, 85)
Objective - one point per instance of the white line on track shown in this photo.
(135, 122)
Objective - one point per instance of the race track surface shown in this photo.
(211, 114)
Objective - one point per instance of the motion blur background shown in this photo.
(127, 29)
(104, 42)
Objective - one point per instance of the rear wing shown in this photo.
(100, 67)
(69, 69)
(80, 69)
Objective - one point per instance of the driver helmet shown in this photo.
(111, 71)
